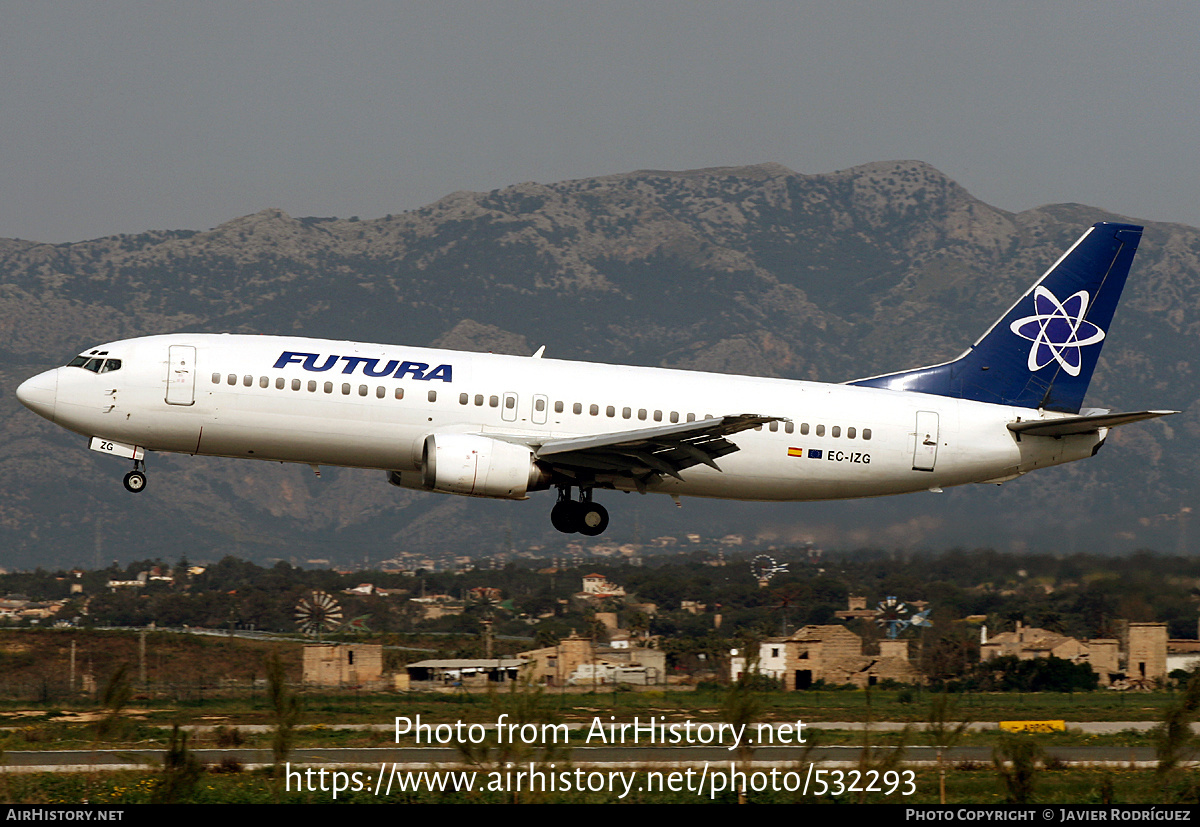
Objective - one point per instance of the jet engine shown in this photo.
(476, 466)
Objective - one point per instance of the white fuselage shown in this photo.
(266, 397)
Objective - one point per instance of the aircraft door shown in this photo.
(508, 410)
(181, 375)
(540, 404)
(925, 444)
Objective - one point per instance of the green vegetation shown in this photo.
(1176, 744)
(1081, 595)
(1018, 759)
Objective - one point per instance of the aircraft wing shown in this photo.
(1071, 425)
(666, 449)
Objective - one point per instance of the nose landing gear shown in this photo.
(583, 516)
(135, 480)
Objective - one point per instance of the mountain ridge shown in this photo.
(754, 269)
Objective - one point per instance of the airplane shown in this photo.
(499, 426)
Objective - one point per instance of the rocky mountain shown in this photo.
(755, 270)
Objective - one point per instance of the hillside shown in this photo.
(754, 270)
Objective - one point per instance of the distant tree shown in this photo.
(1018, 759)
(948, 652)
(1011, 674)
(1175, 744)
(285, 710)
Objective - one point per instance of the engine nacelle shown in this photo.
(476, 466)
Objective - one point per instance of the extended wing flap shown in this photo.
(1071, 425)
(666, 449)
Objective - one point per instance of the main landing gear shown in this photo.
(135, 480)
(583, 516)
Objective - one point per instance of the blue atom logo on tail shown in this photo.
(1058, 330)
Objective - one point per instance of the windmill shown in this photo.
(895, 616)
(317, 613)
(764, 567)
(488, 599)
(785, 596)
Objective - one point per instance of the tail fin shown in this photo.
(1042, 352)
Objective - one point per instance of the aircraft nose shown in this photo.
(40, 393)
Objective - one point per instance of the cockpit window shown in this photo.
(95, 364)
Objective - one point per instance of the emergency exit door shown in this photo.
(926, 442)
(181, 375)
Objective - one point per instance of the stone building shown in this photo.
(1146, 653)
(832, 654)
(343, 664)
(576, 660)
(1140, 654)
(552, 665)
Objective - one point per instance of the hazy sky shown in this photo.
(125, 116)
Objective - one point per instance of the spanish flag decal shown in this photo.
(796, 452)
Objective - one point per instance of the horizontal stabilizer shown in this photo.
(1081, 424)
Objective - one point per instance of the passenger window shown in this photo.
(658, 416)
(247, 380)
(577, 408)
(758, 427)
(820, 430)
(510, 402)
(774, 426)
(463, 399)
(626, 413)
(494, 401)
(380, 392)
(264, 382)
(345, 389)
(610, 411)
(279, 383)
(479, 399)
(231, 379)
(866, 433)
(642, 413)
(837, 431)
(594, 410)
(295, 384)
(789, 427)
(399, 393)
(432, 396)
(539, 405)
(691, 417)
(328, 387)
(850, 433)
(674, 416)
(216, 378)
(804, 429)
(312, 385)
(558, 407)
(362, 390)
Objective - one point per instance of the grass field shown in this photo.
(218, 690)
